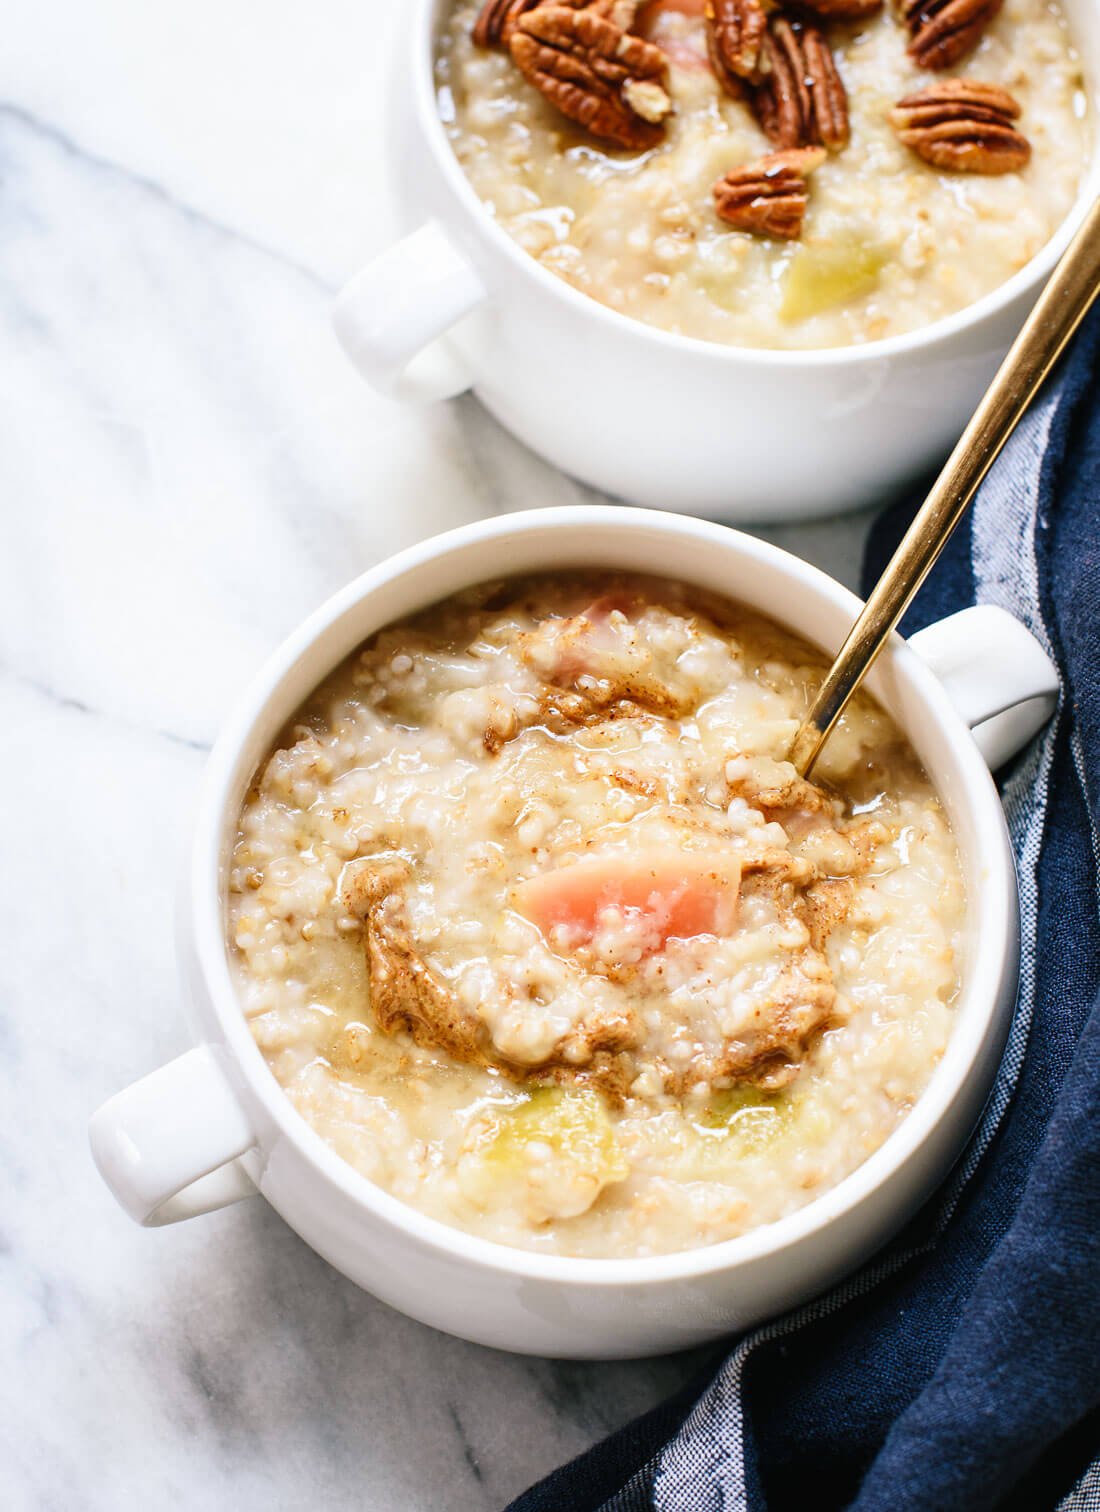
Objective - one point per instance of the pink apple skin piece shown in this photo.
(686, 51)
(590, 635)
(680, 894)
(602, 651)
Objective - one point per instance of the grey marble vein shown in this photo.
(17, 114)
(65, 701)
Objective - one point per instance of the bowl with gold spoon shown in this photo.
(546, 1170)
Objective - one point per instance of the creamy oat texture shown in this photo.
(536, 927)
(889, 244)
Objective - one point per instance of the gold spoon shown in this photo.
(1060, 309)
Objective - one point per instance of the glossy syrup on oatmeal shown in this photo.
(535, 925)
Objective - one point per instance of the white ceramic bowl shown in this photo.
(760, 435)
(214, 1125)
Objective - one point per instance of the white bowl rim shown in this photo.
(1022, 282)
(993, 932)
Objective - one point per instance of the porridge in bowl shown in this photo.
(764, 176)
(537, 928)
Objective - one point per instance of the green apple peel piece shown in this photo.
(554, 1152)
(819, 278)
(747, 1116)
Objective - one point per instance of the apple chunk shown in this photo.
(675, 894)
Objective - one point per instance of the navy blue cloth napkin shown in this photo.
(961, 1368)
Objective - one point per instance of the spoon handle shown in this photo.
(1063, 304)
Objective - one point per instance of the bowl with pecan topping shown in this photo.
(532, 985)
(660, 239)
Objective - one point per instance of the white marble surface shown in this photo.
(187, 466)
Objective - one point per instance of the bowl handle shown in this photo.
(391, 316)
(167, 1146)
(996, 674)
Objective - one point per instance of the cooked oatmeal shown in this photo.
(889, 242)
(538, 930)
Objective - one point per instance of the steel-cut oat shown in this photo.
(538, 930)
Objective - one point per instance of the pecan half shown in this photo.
(606, 79)
(493, 26)
(622, 12)
(943, 31)
(962, 125)
(735, 37)
(768, 197)
(801, 101)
